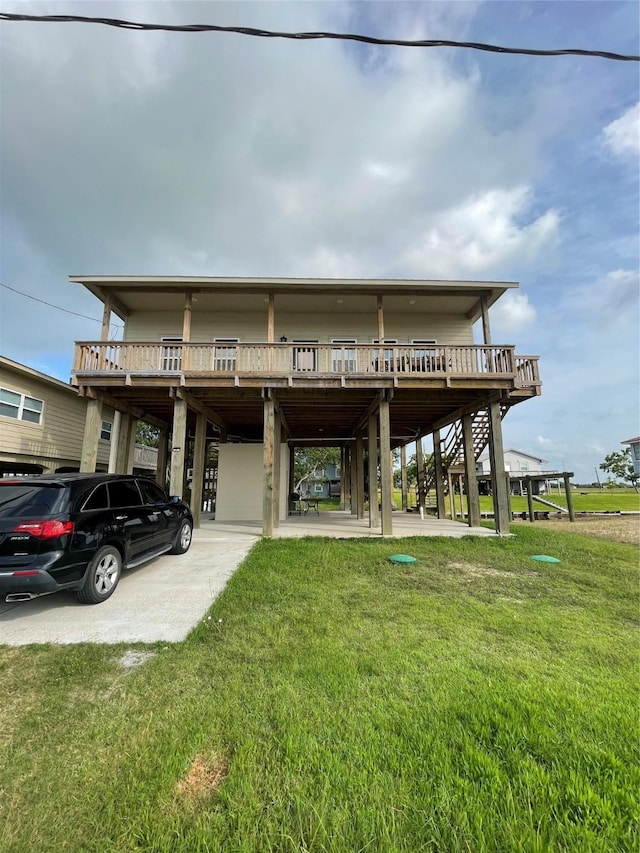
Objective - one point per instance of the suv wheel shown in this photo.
(183, 539)
(102, 576)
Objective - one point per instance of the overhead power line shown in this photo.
(311, 36)
(51, 305)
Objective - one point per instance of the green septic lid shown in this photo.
(401, 558)
(543, 558)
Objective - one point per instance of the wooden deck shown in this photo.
(313, 364)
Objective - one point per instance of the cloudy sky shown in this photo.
(207, 154)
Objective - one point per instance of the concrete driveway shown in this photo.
(160, 601)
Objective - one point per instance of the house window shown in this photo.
(20, 406)
(225, 353)
(524, 466)
(343, 357)
(317, 488)
(171, 358)
(423, 355)
(105, 430)
(305, 355)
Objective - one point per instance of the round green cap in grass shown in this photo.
(543, 558)
(401, 558)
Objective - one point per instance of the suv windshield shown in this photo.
(30, 499)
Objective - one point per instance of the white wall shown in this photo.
(240, 470)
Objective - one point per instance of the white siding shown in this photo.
(252, 327)
(240, 479)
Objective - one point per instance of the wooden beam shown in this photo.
(353, 480)
(386, 476)
(267, 481)
(199, 448)
(420, 495)
(438, 472)
(380, 315)
(486, 331)
(201, 408)
(567, 490)
(106, 319)
(131, 445)
(360, 474)
(404, 486)
(496, 456)
(271, 319)
(186, 317)
(116, 305)
(470, 409)
(178, 442)
(473, 496)
(343, 469)
(92, 424)
(115, 437)
(123, 406)
(374, 512)
(277, 444)
(123, 443)
(161, 462)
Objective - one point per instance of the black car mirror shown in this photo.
(175, 499)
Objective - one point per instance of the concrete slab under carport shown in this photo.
(161, 601)
(339, 524)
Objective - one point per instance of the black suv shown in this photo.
(79, 531)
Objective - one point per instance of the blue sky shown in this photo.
(140, 153)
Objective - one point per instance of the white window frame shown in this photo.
(171, 358)
(22, 407)
(225, 354)
(344, 359)
(107, 428)
(318, 488)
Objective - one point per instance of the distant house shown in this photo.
(519, 465)
(326, 484)
(634, 443)
(42, 423)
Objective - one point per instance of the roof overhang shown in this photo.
(120, 289)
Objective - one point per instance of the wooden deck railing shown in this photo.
(291, 359)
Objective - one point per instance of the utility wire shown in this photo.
(251, 31)
(50, 305)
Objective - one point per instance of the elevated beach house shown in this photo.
(260, 366)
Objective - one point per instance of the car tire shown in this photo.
(183, 539)
(103, 574)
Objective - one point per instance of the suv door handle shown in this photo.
(120, 517)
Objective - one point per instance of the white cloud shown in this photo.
(622, 136)
(482, 234)
(511, 314)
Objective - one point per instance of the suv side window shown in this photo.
(152, 493)
(124, 493)
(98, 499)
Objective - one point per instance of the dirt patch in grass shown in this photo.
(204, 778)
(477, 570)
(619, 528)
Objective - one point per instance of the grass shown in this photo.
(584, 500)
(332, 701)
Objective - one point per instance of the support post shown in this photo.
(178, 446)
(131, 445)
(473, 497)
(161, 463)
(186, 329)
(374, 513)
(380, 314)
(452, 496)
(532, 515)
(360, 474)
(267, 482)
(403, 478)
(199, 448)
(343, 469)
(386, 476)
(486, 331)
(115, 437)
(92, 424)
(438, 474)
(106, 319)
(567, 490)
(353, 479)
(496, 456)
(292, 470)
(277, 444)
(123, 444)
(420, 494)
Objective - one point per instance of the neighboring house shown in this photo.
(326, 484)
(634, 444)
(264, 365)
(520, 465)
(42, 423)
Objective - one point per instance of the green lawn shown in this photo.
(473, 701)
(584, 500)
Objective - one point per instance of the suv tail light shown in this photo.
(45, 529)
